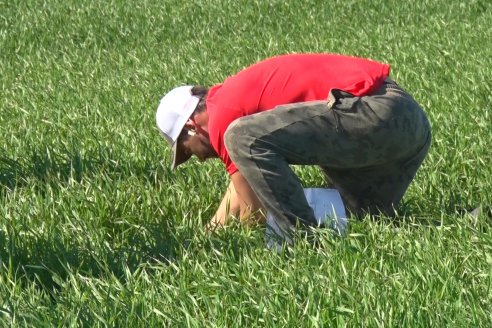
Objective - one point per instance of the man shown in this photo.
(341, 113)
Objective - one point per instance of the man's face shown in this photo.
(198, 144)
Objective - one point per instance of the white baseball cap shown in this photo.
(174, 110)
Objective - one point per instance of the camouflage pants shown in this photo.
(369, 149)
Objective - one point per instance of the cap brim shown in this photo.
(179, 156)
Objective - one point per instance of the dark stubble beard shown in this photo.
(205, 150)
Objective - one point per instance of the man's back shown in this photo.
(283, 80)
(296, 78)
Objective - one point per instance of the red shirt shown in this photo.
(283, 80)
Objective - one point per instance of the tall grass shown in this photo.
(95, 230)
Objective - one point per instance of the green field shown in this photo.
(95, 230)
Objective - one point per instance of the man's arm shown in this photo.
(239, 200)
(251, 209)
(229, 206)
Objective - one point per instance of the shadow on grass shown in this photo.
(49, 260)
(54, 167)
(46, 257)
(41, 165)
